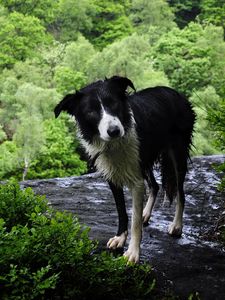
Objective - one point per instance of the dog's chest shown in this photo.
(118, 160)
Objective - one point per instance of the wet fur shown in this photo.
(125, 135)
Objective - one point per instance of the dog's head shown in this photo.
(101, 108)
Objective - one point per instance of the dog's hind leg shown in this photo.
(154, 188)
(179, 159)
(119, 240)
(175, 228)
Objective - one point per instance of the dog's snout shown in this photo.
(113, 131)
(110, 126)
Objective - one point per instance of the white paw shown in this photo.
(133, 254)
(117, 241)
(175, 229)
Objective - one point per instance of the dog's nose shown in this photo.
(113, 131)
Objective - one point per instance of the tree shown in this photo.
(39, 149)
(24, 98)
(185, 10)
(68, 81)
(33, 105)
(49, 58)
(36, 100)
(145, 14)
(73, 16)
(213, 11)
(77, 55)
(19, 37)
(192, 57)
(128, 57)
(72, 71)
(2, 134)
(18, 96)
(44, 10)
(8, 108)
(28, 139)
(110, 23)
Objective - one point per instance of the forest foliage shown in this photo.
(50, 48)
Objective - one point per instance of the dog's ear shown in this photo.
(68, 104)
(121, 83)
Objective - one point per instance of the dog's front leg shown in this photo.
(133, 252)
(120, 239)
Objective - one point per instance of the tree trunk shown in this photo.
(25, 170)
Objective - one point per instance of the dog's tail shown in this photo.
(169, 178)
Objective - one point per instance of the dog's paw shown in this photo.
(117, 241)
(132, 255)
(175, 230)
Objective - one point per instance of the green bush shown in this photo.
(46, 254)
(217, 120)
(16, 206)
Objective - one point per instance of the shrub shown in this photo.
(217, 119)
(45, 254)
(16, 206)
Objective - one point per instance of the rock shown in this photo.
(186, 265)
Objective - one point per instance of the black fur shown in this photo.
(165, 121)
(85, 106)
(164, 125)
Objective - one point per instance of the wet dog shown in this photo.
(125, 134)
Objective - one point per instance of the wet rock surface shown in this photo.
(192, 263)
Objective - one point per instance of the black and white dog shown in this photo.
(125, 135)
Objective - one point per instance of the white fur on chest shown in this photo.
(118, 159)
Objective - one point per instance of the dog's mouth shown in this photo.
(110, 139)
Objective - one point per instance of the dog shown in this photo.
(125, 134)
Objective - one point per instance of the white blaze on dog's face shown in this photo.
(110, 126)
(101, 109)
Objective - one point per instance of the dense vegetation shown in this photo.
(46, 254)
(49, 48)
